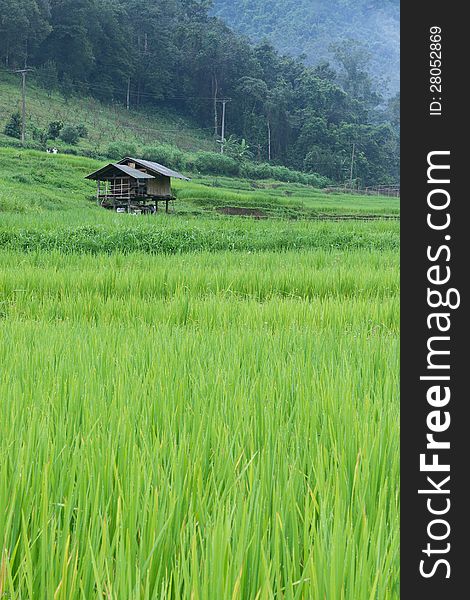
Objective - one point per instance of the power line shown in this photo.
(131, 92)
(128, 95)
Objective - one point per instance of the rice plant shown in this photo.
(210, 425)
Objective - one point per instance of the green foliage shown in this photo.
(119, 150)
(41, 136)
(268, 171)
(216, 164)
(70, 135)
(237, 149)
(165, 154)
(13, 127)
(54, 129)
(82, 130)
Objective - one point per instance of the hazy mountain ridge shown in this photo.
(310, 27)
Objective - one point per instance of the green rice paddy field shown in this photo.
(195, 406)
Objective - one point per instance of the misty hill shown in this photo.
(310, 27)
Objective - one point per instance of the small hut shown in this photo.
(134, 185)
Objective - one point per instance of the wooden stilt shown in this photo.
(166, 205)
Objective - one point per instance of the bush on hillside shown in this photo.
(82, 130)
(251, 170)
(40, 135)
(212, 163)
(165, 154)
(13, 127)
(190, 159)
(119, 150)
(70, 135)
(54, 129)
(316, 180)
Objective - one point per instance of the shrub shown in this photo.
(82, 130)
(13, 127)
(93, 153)
(40, 135)
(69, 135)
(54, 129)
(190, 160)
(316, 180)
(166, 155)
(280, 173)
(119, 150)
(212, 163)
(251, 170)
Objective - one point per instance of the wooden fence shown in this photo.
(391, 191)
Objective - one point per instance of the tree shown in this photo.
(353, 59)
(69, 43)
(69, 135)
(54, 129)
(23, 27)
(237, 149)
(13, 127)
(40, 135)
(393, 110)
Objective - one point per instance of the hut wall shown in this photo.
(160, 186)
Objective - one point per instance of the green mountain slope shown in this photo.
(105, 123)
(310, 27)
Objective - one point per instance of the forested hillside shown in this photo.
(312, 27)
(172, 54)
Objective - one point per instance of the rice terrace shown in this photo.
(199, 300)
(196, 405)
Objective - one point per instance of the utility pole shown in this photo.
(352, 166)
(128, 97)
(215, 88)
(269, 140)
(224, 103)
(23, 94)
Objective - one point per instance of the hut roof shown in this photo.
(154, 167)
(134, 173)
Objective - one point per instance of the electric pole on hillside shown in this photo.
(23, 94)
(222, 140)
(352, 166)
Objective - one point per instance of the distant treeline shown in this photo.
(173, 53)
